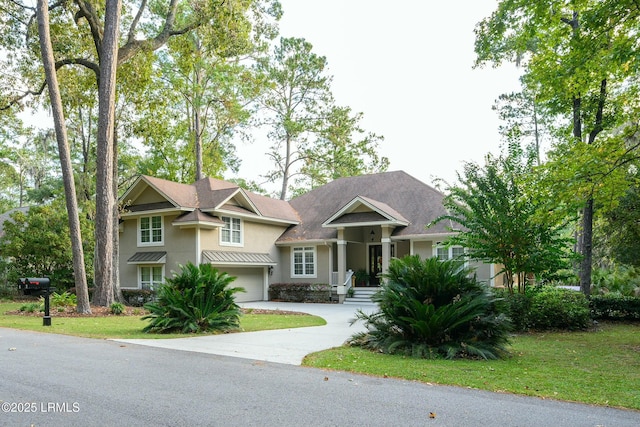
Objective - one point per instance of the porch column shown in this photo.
(342, 257)
(386, 248)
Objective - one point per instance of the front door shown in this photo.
(375, 264)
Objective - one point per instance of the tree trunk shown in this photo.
(46, 49)
(587, 214)
(197, 131)
(104, 158)
(117, 292)
(286, 170)
(587, 246)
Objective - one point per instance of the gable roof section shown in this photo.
(211, 196)
(374, 213)
(389, 195)
(215, 193)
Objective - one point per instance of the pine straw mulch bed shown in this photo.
(97, 311)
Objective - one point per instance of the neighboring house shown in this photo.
(7, 217)
(322, 236)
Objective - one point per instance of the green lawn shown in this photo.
(600, 367)
(131, 326)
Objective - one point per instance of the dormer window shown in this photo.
(231, 233)
(150, 231)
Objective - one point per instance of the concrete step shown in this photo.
(354, 301)
(361, 296)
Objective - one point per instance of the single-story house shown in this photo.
(323, 236)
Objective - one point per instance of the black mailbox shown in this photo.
(34, 285)
(38, 286)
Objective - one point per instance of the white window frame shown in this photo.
(151, 229)
(304, 250)
(450, 250)
(153, 285)
(231, 230)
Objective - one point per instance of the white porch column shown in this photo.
(386, 247)
(198, 256)
(342, 257)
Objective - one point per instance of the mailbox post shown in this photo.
(38, 286)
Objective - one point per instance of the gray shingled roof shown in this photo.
(180, 194)
(210, 193)
(410, 198)
(197, 216)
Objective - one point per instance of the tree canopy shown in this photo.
(579, 62)
(498, 222)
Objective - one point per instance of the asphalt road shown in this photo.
(55, 380)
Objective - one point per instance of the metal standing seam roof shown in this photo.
(151, 257)
(240, 258)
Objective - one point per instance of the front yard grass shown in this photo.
(131, 326)
(600, 367)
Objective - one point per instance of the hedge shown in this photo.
(615, 307)
(300, 292)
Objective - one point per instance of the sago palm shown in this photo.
(198, 299)
(434, 308)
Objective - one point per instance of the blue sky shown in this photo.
(407, 65)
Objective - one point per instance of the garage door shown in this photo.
(251, 279)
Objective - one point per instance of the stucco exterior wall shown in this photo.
(128, 247)
(178, 243)
(284, 273)
(403, 248)
(149, 196)
(424, 248)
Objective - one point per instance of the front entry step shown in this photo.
(362, 296)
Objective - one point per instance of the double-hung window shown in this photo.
(304, 262)
(150, 276)
(150, 232)
(454, 252)
(231, 233)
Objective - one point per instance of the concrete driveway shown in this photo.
(287, 346)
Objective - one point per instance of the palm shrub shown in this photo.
(198, 299)
(431, 309)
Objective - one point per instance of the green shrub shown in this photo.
(557, 308)
(65, 299)
(31, 307)
(623, 280)
(196, 300)
(434, 308)
(138, 297)
(300, 292)
(615, 307)
(516, 306)
(116, 308)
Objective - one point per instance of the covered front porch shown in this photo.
(360, 256)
